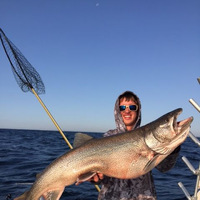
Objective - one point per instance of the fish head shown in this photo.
(166, 133)
(167, 127)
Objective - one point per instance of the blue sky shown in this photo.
(90, 51)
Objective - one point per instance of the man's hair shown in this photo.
(128, 96)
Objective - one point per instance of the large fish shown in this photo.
(127, 155)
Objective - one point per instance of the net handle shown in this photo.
(51, 117)
(57, 126)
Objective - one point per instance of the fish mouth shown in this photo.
(184, 125)
(181, 127)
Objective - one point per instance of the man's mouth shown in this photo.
(127, 116)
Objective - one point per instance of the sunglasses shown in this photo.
(131, 107)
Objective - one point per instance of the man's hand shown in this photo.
(97, 178)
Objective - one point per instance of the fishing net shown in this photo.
(26, 76)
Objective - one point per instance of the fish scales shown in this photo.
(124, 156)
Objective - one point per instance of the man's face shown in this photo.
(129, 117)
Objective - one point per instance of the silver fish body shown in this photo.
(127, 155)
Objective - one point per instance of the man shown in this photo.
(128, 117)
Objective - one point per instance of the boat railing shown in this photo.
(196, 172)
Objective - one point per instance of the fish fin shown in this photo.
(22, 197)
(81, 138)
(154, 162)
(38, 175)
(84, 177)
(53, 194)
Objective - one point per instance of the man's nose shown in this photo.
(127, 110)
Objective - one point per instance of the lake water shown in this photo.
(25, 153)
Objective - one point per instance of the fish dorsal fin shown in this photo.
(81, 138)
(38, 175)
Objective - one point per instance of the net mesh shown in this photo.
(26, 76)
